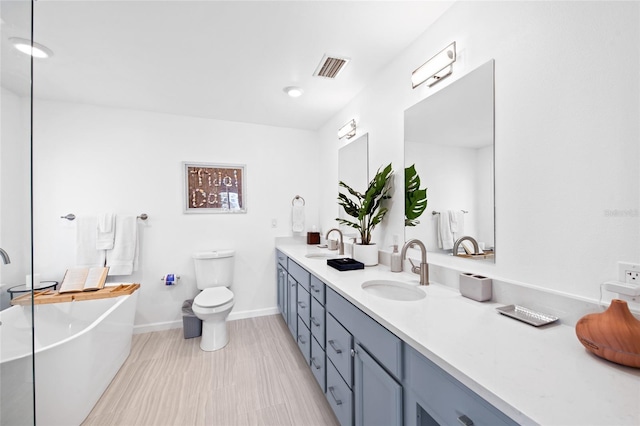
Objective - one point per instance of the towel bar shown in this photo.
(72, 216)
(435, 212)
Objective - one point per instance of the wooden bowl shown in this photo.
(613, 334)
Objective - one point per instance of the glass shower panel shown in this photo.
(16, 330)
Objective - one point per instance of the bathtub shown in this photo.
(79, 348)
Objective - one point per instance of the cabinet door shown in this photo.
(304, 305)
(317, 321)
(282, 291)
(292, 314)
(338, 348)
(339, 396)
(377, 396)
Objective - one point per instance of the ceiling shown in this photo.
(227, 60)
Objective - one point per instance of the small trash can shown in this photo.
(191, 324)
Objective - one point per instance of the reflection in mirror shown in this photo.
(449, 137)
(353, 169)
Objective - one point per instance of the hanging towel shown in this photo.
(106, 231)
(297, 218)
(456, 223)
(123, 258)
(445, 237)
(87, 255)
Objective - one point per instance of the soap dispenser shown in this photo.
(396, 259)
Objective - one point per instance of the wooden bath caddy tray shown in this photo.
(51, 296)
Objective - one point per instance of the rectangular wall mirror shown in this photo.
(353, 169)
(449, 138)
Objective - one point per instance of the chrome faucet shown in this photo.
(423, 269)
(341, 244)
(5, 257)
(476, 250)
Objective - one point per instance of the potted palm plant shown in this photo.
(368, 211)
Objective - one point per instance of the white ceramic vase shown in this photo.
(367, 254)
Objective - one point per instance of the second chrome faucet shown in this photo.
(423, 269)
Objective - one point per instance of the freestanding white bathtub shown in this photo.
(79, 348)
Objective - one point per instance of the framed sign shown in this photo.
(214, 188)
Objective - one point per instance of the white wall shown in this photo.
(567, 133)
(90, 160)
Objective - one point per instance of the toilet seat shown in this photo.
(213, 297)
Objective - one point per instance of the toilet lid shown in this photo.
(212, 297)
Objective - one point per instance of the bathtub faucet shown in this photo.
(5, 257)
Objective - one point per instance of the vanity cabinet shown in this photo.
(368, 361)
(368, 374)
(433, 397)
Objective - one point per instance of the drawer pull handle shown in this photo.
(464, 420)
(302, 305)
(317, 290)
(338, 402)
(333, 345)
(314, 322)
(313, 361)
(301, 339)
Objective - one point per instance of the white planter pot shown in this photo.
(366, 254)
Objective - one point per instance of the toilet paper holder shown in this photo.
(170, 279)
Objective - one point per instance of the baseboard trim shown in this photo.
(233, 316)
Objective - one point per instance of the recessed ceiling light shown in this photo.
(24, 45)
(293, 91)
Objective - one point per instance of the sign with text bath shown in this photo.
(214, 188)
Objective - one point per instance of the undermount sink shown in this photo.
(393, 290)
(323, 255)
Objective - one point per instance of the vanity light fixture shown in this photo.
(436, 68)
(293, 91)
(348, 130)
(34, 49)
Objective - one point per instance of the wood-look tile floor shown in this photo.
(259, 378)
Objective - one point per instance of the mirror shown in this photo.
(353, 169)
(449, 137)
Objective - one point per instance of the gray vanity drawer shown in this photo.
(282, 259)
(299, 273)
(338, 348)
(318, 361)
(383, 345)
(339, 396)
(304, 304)
(443, 397)
(304, 340)
(317, 289)
(317, 321)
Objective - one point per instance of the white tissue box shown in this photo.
(475, 287)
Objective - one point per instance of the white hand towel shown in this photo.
(445, 237)
(456, 218)
(123, 258)
(106, 231)
(87, 255)
(297, 218)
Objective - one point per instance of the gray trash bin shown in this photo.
(191, 324)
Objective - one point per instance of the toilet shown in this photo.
(214, 274)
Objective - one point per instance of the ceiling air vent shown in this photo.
(330, 66)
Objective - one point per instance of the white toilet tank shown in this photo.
(214, 268)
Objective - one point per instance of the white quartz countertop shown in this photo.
(534, 375)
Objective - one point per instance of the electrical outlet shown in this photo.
(629, 273)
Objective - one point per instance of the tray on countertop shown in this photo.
(527, 315)
(345, 264)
